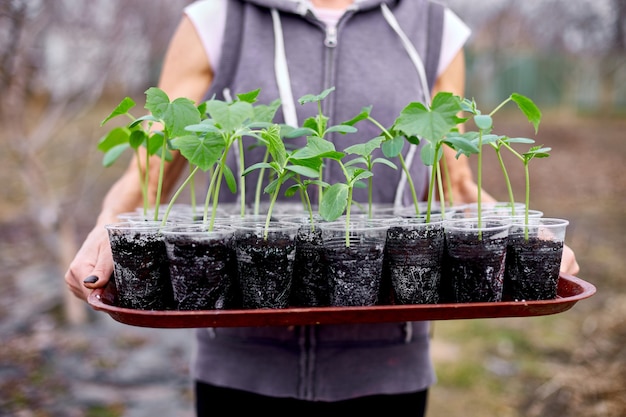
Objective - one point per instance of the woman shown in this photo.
(384, 53)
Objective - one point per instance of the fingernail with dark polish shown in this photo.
(91, 279)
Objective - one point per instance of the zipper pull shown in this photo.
(331, 36)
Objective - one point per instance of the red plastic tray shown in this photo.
(570, 290)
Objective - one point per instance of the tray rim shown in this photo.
(578, 290)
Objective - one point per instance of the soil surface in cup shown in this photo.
(412, 264)
(532, 268)
(141, 272)
(310, 286)
(355, 274)
(265, 268)
(203, 274)
(474, 269)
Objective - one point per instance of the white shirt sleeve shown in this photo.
(209, 19)
(455, 35)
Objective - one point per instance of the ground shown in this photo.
(568, 364)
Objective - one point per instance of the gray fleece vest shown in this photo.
(368, 64)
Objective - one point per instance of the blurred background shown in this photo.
(64, 64)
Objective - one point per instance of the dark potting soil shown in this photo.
(310, 280)
(532, 268)
(265, 270)
(141, 272)
(354, 274)
(412, 264)
(474, 269)
(203, 274)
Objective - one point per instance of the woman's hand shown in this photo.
(92, 266)
(569, 265)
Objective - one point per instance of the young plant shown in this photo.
(431, 124)
(338, 197)
(497, 145)
(287, 165)
(526, 157)
(484, 135)
(171, 116)
(364, 152)
(207, 144)
(317, 126)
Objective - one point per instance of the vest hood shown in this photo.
(301, 7)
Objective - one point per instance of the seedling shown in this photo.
(429, 123)
(288, 165)
(171, 116)
(317, 126)
(473, 141)
(208, 143)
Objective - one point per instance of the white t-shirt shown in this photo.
(209, 19)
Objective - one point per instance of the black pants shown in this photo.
(210, 399)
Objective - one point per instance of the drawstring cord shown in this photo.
(419, 66)
(282, 73)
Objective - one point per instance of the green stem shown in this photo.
(442, 199)
(242, 180)
(444, 163)
(187, 181)
(500, 106)
(480, 182)
(348, 217)
(161, 175)
(259, 184)
(143, 182)
(507, 181)
(410, 181)
(192, 191)
(269, 212)
(527, 200)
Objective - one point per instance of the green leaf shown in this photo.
(249, 97)
(427, 154)
(275, 144)
(303, 170)
(362, 176)
(462, 144)
(528, 107)
(156, 102)
(317, 147)
(266, 113)
(111, 155)
(384, 162)
(125, 105)
(229, 177)
(342, 129)
(137, 138)
(363, 115)
(301, 131)
(483, 121)
(230, 116)
(205, 126)
(393, 147)
(114, 137)
(365, 149)
(202, 151)
(178, 115)
(356, 161)
(258, 165)
(432, 124)
(334, 202)
(154, 143)
(139, 120)
(310, 98)
(517, 140)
